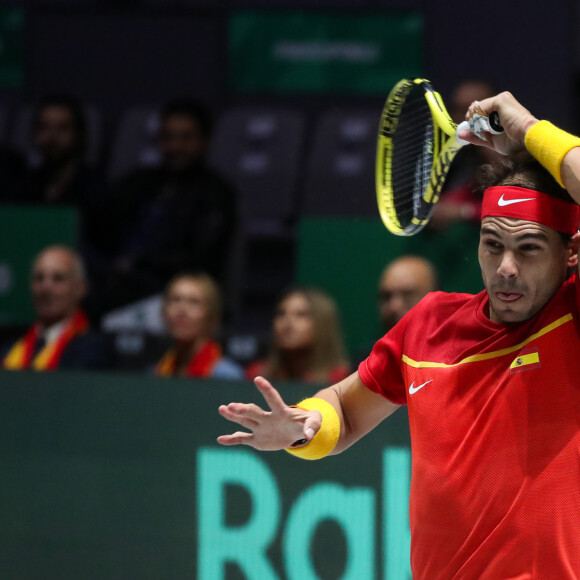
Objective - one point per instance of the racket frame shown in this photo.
(444, 148)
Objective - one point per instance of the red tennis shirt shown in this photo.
(494, 413)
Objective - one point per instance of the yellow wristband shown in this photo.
(325, 440)
(549, 145)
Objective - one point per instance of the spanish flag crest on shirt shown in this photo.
(526, 360)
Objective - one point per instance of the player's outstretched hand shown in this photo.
(514, 118)
(270, 430)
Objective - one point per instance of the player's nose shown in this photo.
(508, 267)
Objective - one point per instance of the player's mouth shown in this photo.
(508, 296)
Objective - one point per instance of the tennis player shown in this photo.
(491, 382)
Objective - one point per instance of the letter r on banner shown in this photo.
(245, 545)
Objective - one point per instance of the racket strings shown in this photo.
(412, 159)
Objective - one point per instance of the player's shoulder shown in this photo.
(437, 307)
(453, 299)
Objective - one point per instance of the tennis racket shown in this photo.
(416, 145)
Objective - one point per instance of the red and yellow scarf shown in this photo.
(21, 354)
(201, 364)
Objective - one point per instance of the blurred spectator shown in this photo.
(465, 93)
(62, 176)
(60, 338)
(459, 202)
(307, 341)
(192, 313)
(402, 285)
(177, 216)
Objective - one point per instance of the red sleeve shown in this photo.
(381, 371)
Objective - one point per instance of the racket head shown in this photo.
(415, 147)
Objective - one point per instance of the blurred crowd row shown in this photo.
(307, 340)
(139, 230)
(169, 215)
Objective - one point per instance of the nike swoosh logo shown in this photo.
(413, 389)
(501, 201)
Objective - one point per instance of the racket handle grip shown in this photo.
(495, 126)
(480, 124)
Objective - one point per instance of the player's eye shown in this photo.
(530, 248)
(492, 245)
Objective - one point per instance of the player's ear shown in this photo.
(573, 246)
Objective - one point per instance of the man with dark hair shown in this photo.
(184, 135)
(179, 215)
(490, 381)
(59, 135)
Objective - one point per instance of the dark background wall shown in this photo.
(528, 48)
(121, 53)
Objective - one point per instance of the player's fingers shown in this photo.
(241, 413)
(270, 394)
(252, 414)
(312, 426)
(467, 135)
(237, 438)
(484, 107)
(249, 409)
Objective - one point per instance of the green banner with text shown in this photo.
(119, 476)
(311, 52)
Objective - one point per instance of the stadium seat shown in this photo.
(340, 177)
(135, 142)
(137, 333)
(260, 151)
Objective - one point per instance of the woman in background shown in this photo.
(307, 341)
(192, 313)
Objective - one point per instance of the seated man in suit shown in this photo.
(60, 338)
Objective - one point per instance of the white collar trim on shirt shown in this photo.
(54, 331)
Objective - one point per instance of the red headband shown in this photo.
(531, 205)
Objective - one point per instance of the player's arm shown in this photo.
(359, 409)
(354, 408)
(570, 172)
(555, 149)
